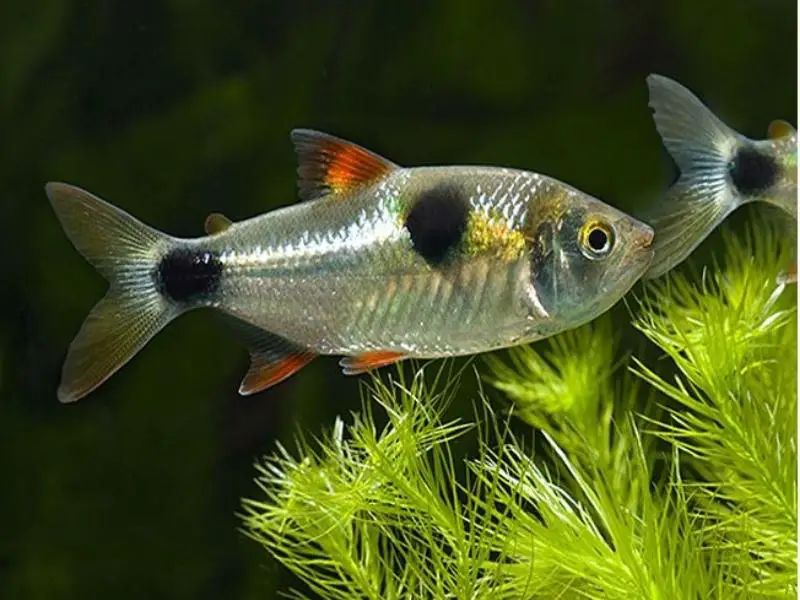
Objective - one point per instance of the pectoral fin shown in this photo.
(366, 361)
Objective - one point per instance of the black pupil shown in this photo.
(598, 239)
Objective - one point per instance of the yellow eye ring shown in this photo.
(596, 239)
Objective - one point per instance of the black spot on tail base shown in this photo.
(752, 171)
(185, 275)
(437, 222)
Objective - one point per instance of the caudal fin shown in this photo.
(702, 147)
(126, 252)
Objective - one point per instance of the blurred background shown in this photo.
(173, 109)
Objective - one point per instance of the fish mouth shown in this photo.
(645, 239)
(643, 251)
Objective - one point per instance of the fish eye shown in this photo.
(596, 239)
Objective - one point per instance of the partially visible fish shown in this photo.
(720, 170)
(380, 263)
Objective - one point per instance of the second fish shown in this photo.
(380, 263)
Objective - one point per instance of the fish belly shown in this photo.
(422, 313)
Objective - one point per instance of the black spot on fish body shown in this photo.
(752, 171)
(184, 275)
(437, 222)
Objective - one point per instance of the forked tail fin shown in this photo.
(127, 253)
(703, 147)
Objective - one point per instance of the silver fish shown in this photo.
(379, 263)
(720, 170)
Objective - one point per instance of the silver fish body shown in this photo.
(382, 262)
(342, 277)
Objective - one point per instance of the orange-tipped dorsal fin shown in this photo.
(216, 223)
(331, 165)
(366, 361)
(272, 357)
(779, 129)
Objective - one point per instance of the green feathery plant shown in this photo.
(642, 485)
(734, 411)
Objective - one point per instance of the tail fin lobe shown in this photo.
(702, 147)
(126, 252)
(695, 138)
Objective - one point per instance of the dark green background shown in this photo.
(173, 109)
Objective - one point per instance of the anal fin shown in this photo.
(366, 361)
(272, 357)
(271, 367)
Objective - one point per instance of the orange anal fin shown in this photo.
(272, 358)
(267, 370)
(327, 164)
(366, 361)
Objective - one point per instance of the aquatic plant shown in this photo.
(639, 479)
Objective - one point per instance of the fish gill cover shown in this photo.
(631, 484)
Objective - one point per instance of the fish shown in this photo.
(720, 170)
(376, 263)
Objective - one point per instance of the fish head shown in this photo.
(585, 255)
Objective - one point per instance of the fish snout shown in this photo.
(644, 238)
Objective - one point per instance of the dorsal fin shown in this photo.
(779, 129)
(216, 223)
(272, 357)
(327, 164)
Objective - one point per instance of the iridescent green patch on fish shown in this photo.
(490, 234)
